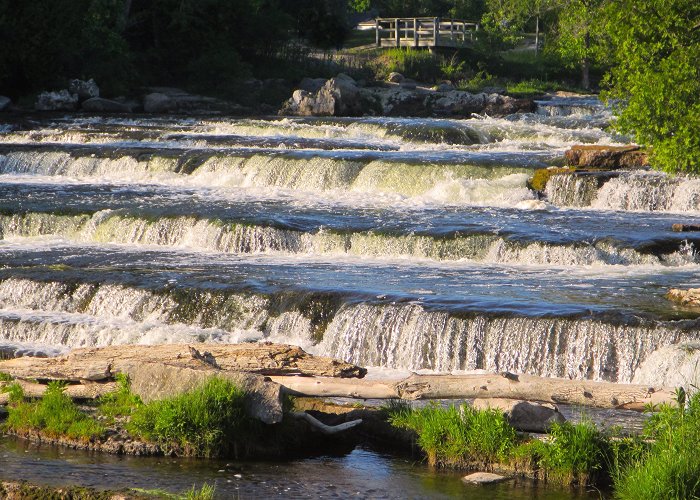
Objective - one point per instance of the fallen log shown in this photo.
(508, 386)
(101, 363)
(75, 391)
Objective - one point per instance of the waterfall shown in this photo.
(408, 336)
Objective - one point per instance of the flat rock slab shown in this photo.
(608, 157)
(686, 297)
(484, 478)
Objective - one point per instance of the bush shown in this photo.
(208, 421)
(55, 415)
(419, 65)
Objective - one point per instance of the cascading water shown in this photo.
(391, 242)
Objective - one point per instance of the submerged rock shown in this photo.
(687, 297)
(608, 157)
(484, 478)
(672, 366)
(524, 416)
(56, 101)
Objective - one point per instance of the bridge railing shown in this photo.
(424, 32)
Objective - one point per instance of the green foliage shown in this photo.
(417, 64)
(121, 402)
(478, 82)
(54, 414)
(452, 68)
(208, 421)
(458, 436)
(576, 452)
(656, 78)
(670, 467)
(6, 377)
(206, 492)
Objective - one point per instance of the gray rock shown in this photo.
(671, 366)
(158, 102)
(395, 77)
(339, 96)
(84, 89)
(56, 101)
(524, 415)
(4, 102)
(153, 381)
(312, 85)
(444, 87)
(484, 478)
(101, 105)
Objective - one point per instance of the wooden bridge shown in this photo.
(424, 32)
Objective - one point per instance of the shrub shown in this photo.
(208, 421)
(419, 65)
(55, 415)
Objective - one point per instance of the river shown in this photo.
(394, 243)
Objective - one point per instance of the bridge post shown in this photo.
(398, 33)
(416, 24)
(377, 25)
(436, 31)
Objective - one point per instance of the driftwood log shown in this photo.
(101, 363)
(508, 386)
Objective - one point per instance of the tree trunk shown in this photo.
(537, 35)
(586, 64)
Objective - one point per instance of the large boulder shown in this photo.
(101, 105)
(395, 77)
(84, 89)
(607, 157)
(312, 85)
(671, 366)
(4, 102)
(339, 96)
(525, 416)
(174, 100)
(56, 101)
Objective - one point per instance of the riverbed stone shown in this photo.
(685, 297)
(56, 101)
(84, 89)
(312, 85)
(671, 366)
(484, 478)
(527, 416)
(395, 77)
(607, 157)
(157, 102)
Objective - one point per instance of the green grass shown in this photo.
(457, 436)
(55, 415)
(6, 377)
(670, 467)
(206, 492)
(208, 421)
(121, 402)
(416, 64)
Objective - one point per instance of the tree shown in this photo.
(579, 38)
(656, 77)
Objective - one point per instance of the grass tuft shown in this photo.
(458, 436)
(119, 403)
(208, 421)
(55, 415)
